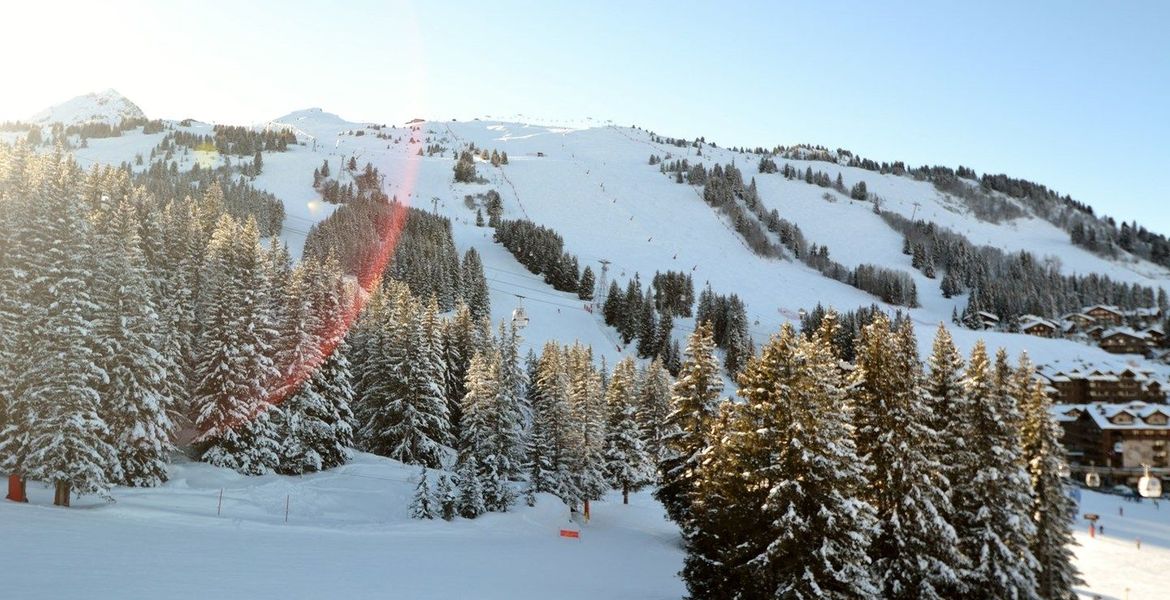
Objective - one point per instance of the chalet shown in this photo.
(1095, 331)
(1123, 436)
(1123, 340)
(1154, 335)
(1078, 383)
(1143, 317)
(1079, 320)
(1039, 327)
(1102, 313)
(988, 319)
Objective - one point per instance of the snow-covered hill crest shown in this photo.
(107, 106)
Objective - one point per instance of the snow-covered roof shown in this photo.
(1032, 321)
(1131, 415)
(1129, 331)
(1106, 307)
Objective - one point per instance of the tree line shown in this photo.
(884, 480)
(1009, 284)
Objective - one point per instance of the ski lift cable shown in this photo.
(531, 289)
(536, 299)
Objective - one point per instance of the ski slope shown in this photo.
(591, 183)
(349, 535)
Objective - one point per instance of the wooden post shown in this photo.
(16, 488)
(286, 497)
(219, 507)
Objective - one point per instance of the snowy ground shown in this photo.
(1113, 566)
(349, 536)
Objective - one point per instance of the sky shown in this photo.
(1071, 94)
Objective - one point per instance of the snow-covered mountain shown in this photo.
(592, 184)
(107, 107)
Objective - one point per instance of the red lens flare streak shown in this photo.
(337, 326)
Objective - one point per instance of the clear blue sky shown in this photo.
(1075, 95)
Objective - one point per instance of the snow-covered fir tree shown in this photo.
(915, 551)
(445, 495)
(551, 450)
(479, 439)
(404, 409)
(694, 403)
(135, 403)
(653, 409)
(423, 505)
(1053, 509)
(627, 464)
(231, 403)
(587, 429)
(992, 511)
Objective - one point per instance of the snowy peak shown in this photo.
(107, 106)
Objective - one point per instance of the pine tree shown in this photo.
(57, 428)
(448, 501)
(587, 430)
(512, 409)
(914, 552)
(808, 530)
(1053, 511)
(653, 410)
(993, 509)
(585, 288)
(628, 465)
(423, 504)
(478, 440)
(551, 457)
(694, 402)
(235, 365)
(471, 502)
(403, 382)
(135, 399)
(475, 290)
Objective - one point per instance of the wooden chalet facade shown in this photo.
(1116, 384)
(1123, 436)
(1123, 340)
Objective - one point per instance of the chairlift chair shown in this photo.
(519, 316)
(1149, 486)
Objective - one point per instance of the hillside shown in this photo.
(601, 189)
(593, 186)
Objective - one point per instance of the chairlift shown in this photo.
(1093, 479)
(1149, 486)
(519, 316)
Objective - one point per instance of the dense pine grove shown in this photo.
(724, 190)
(1010, 284)
(541, 250)
(133, 314)
(880, 480)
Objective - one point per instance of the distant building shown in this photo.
(1079, 319)
(1123, 436)
(1077, 383)
(989, 320)
(1123, 340)
(1039, 327)
(1103, 313)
